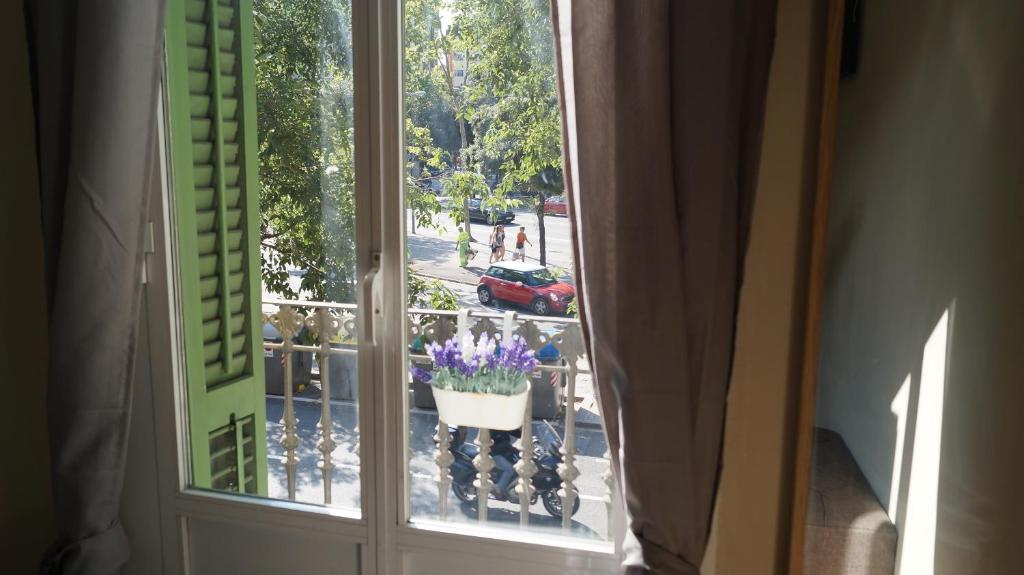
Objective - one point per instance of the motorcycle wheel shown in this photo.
(466, 493)
(553, 504)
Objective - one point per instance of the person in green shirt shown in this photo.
(463, 247)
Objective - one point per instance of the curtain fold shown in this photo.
(663, 105)
(96, 69)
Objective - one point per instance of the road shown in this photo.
(432, 252)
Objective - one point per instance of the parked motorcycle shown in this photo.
(546, 481)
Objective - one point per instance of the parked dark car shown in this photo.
(528, 285)
(492, 216)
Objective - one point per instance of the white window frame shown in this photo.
(383, 530)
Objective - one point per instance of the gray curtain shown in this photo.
(663, 104)
(96, 68)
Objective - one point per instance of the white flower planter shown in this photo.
(481, 410)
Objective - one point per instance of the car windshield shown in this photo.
(540, 278)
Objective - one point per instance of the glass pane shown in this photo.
(304, 90)
(260, 99)
(487, 235)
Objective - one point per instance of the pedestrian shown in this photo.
(521, 242)
(501, 243)
(462, 244)
(493, 242)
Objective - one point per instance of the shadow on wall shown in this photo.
(922, 329)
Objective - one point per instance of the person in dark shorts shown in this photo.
(521, 242)
(493, 241)
(501, 243)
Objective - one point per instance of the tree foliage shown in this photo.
(304, 113)
(495, 134)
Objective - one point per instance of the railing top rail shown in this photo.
(423, 311)
(496, 315)
(309, 303)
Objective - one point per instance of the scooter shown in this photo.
(545, 481)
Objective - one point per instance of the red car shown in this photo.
(528, 285)
(555, 206)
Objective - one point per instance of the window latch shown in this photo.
(373, 290)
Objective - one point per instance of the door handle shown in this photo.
(373, 295)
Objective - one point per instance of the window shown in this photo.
(251, 99)
(302, 397)
(540, 278)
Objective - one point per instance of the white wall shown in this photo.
(928, 220)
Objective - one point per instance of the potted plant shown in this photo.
(482, 384)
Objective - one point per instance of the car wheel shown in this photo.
(540, 306)
(485, 295)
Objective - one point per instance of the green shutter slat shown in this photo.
(208, 266)
(211, 107)
(205, 222)
(228, 84)
(201, 107)
(235, 263)
(234, 240)
(198, 60)
(206, 242)
(206, 219)
(198, 82)
(224, 472)
(231, 174)
(209, 308)
(211, 352)
(201, 129)
(197, 35)
(195, 10)
(211, 330)
(226, 16)
(234, 284)
(204, 153)
(230, 131)
(208, 288)
(204, 198)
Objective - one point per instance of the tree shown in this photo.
(305, 139)
(511, 99)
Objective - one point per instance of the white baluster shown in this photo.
(288, 322)
(608, 478)
(325, 326)
(444, 461)
(508, 327)
(525, 467)
(567, 469)
(484, 463)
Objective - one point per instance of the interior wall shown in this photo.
(926, 224)
(750, 534)
(26, 513)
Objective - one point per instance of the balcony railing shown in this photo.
(327, 323)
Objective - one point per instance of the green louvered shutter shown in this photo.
(212, 112)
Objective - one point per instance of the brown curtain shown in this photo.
(96, 71)
(663, 104)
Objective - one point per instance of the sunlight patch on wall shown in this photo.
(899, 409)
(917, 545)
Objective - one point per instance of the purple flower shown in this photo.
(419, 373)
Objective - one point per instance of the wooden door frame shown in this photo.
(815, 283)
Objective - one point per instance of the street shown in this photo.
(432, 253)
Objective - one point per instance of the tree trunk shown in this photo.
(541, 236)
(465, 203)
